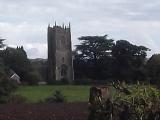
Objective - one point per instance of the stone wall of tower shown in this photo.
(51, 55)
(60, 65)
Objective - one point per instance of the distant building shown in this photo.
(16, 78)
(60, 66)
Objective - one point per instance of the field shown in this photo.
(75, 109)
(61, 111)
(73, 93)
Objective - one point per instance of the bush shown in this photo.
(57, 97)
(3, 70)
(7, 87)
(83, 81)
(32, 78)
(62, 81)
(17, 99)
(135, 102)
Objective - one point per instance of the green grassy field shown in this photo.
(72, 93)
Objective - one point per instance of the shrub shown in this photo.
(17, 99)
(7, 87)
(57, 97)
(33, 78)
(3, 70)
(134, 102)
(83, 81)
(62, 81)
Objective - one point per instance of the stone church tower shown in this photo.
(60, 66)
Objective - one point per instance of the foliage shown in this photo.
(99, 58)
(129, 61)
(82, 81)
(100, 110)
(16, 59)
(89, 57)
(1, 43)
(57, 97)
(141, 102)
(3, 69)
(40, 65)
(17, 99)
(7, 87)
(33, 77)
(64, 80)
(94, 47)
(153, 69)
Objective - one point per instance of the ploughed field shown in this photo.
(60, 111)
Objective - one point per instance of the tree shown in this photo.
(90, 55)
(94, 47)
(16, 59)
(2, 65)
(1, 43)
(40, 65)
(153, 69)
(7, 87)
(129, 60)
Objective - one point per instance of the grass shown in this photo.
(72, 93)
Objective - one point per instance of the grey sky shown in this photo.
(24, 22)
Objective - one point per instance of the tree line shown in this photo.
(15, 60)
(96, 58)
(99, 58)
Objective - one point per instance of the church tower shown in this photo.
(60, 66)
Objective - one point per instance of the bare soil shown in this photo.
(60, 111)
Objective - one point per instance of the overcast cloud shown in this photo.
(24, 22)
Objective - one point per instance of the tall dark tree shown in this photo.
(16, 59)
(6, 86)
(129, 60)
(2, 66)
(90, 55)
(153, 69)
(1, 43)
(94, 47)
